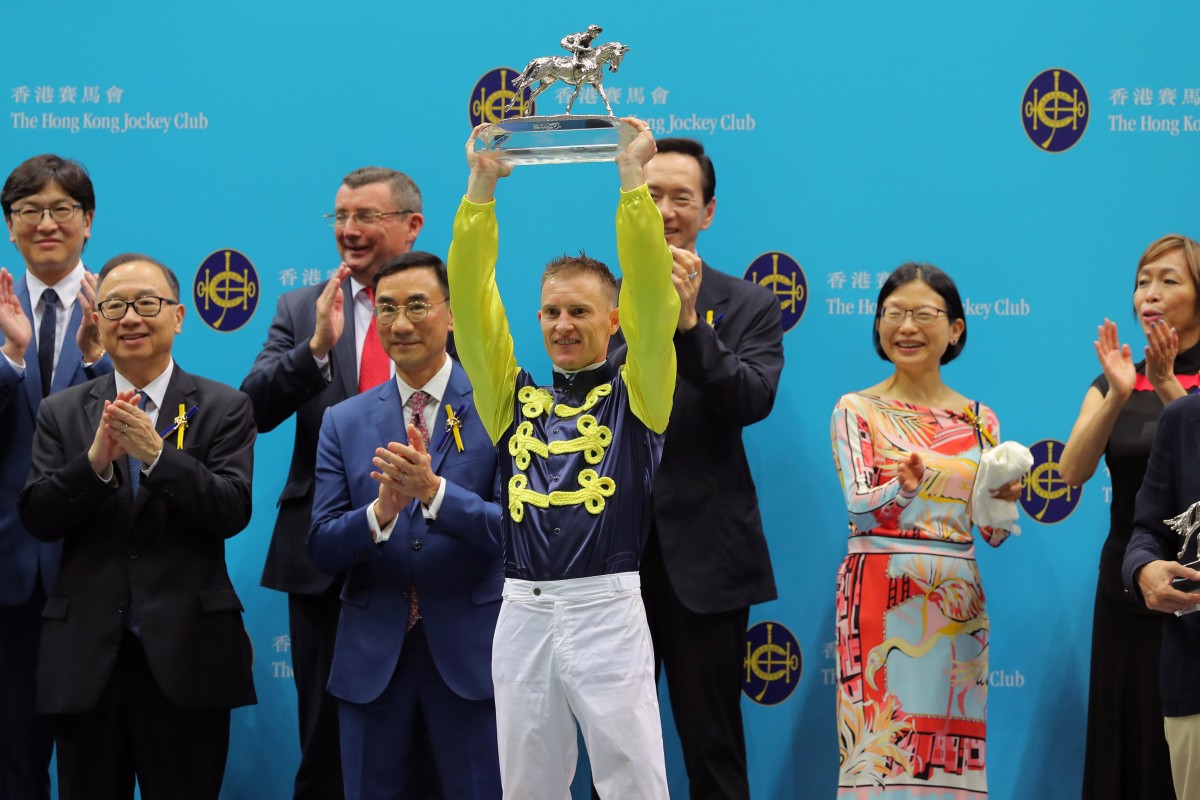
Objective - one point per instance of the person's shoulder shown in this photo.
(302, 295)
(737, 284)
(74, 395)
(856, 401)
(985, 412)
(217, 390)
(1184, 411)
(357, 406)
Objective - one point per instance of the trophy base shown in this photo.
(559, 139)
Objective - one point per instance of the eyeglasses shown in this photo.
(145, 306)
(33, 215)
(417, 310)
(923, 316)
(362, 218)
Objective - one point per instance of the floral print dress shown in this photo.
(912, 625)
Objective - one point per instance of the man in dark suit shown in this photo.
(311, 361)
(1154, 559)
(49, 342)
(143, 652)
(412, 519)
(706, 559)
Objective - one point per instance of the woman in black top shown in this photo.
(1126, 753)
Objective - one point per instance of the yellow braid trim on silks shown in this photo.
(535, 401)
(523, 442)
(590, 496)
(518, 496)
(592, 441)
(593, 397)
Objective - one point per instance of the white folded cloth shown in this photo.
(1003, 463)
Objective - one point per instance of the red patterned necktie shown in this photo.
(373, 369)
(419, 401)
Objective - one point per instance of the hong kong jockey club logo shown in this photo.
(773, 663)
(1045, 496)
(1055, 110)
(226, 290)
(781, 273)
(492, 92)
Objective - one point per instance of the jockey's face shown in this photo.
(577, 317)
(676, 184)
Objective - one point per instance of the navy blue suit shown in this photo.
(380, 672)
(1171, 486)
(27, 566)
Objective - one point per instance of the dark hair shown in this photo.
(129, 258)
(34, 174)
(404, 189)
(691, 147)
(582, 263)
(414, 259)
(935, 279)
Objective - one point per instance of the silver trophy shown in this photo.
(563, 138)
(1186, 525)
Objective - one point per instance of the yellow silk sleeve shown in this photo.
(481, 333)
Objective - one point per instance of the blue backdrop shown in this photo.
(850, 137)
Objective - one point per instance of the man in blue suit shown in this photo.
(49, 342)
(406, 505)
(318, 344)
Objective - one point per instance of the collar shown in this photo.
(435, 387)
(66, 289)
(583, 381)
(155, 390)
(358, 290)
(1188, 361)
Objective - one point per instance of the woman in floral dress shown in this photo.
(912, 625)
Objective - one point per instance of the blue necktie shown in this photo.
(135, 466)
(135, 482)
(45, 343)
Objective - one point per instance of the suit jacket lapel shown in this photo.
(458, 393)
(389, 414)
(69, 357)
(181, 391)
(345, 352)
(33, 375)
(711, 297)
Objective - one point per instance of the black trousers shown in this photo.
(701, 656)
(25, 738)
(134, 731)
(313, 626)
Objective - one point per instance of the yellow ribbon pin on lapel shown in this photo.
(181, 424)
(454, 423)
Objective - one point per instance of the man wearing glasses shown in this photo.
(706, 560)
(406, 506)
(49, 342)
(322, 348)
(142, 474)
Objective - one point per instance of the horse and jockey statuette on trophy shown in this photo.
(563, 138)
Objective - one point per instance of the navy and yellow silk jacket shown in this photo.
(578, 459)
